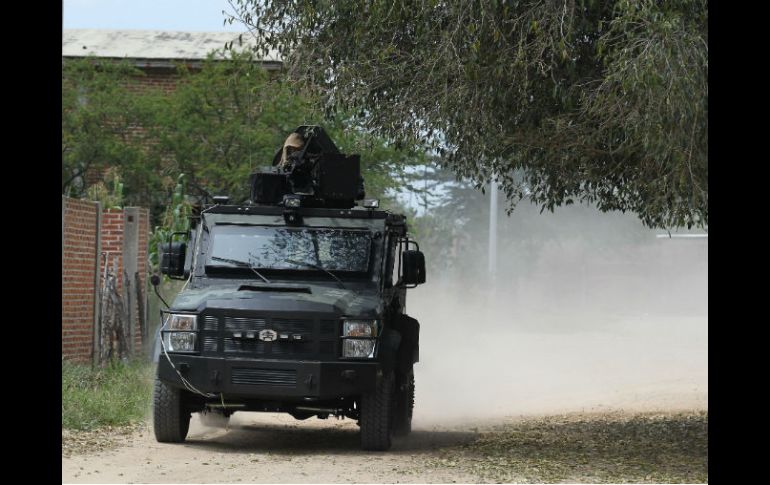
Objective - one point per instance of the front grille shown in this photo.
(292, 325)
(210, 323)
(326, 347)
(245, 346)
(329, 328)
(242, 323)
(228, 334)
(209, 344)
(264, 377)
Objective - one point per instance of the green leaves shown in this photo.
(218, 125)
(98, 114)
(599, 101)
(175, 219)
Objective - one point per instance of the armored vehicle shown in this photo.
(294, 302)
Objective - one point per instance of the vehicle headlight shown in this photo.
(360, 348)
(180, 341)
(178, 321)
(180, 332)
(359, 328)
(359, 338)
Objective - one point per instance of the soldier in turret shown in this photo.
(293, 143)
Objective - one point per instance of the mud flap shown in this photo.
(390, 343)
(409, 350)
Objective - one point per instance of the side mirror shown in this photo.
(172, 256)
(414, 268)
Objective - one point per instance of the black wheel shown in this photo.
(404, 406)
(377, 415)
(171, 418)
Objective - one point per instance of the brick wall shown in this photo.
(79, 265)
(79, 251)
(155, 78)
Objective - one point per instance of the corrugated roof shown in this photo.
(150, 44)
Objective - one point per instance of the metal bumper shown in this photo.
(270, 379)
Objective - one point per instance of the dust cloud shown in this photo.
(213, 420)
(588, 312)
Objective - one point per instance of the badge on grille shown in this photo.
(268, 335)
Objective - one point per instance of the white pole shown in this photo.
(492, 230)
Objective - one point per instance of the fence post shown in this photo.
(130, 256)
(145, 297)
(97, 286)
(63, 216)
(63, 213)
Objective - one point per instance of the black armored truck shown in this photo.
(294, 302)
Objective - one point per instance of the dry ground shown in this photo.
(272, 448)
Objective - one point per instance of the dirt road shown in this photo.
(271, 448)
(266, 448)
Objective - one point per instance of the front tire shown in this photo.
(377, 415)
(171, 418)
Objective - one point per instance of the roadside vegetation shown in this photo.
(118, 394)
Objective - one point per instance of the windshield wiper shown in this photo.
(318, 267)
(242, 264)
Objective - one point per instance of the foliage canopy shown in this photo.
(98, 113)
(219, 124)
(604, 102)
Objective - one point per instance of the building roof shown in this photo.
(154, 47)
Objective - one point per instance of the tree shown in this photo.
(98, 114)
(604, 102)
(228, 120)
(219, 125)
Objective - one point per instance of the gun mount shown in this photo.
(317, 173)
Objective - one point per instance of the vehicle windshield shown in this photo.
(283, 248)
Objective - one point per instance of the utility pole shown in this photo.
(492, 231)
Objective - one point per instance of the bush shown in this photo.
(115, 395)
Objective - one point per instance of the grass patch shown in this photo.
(116, 395)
